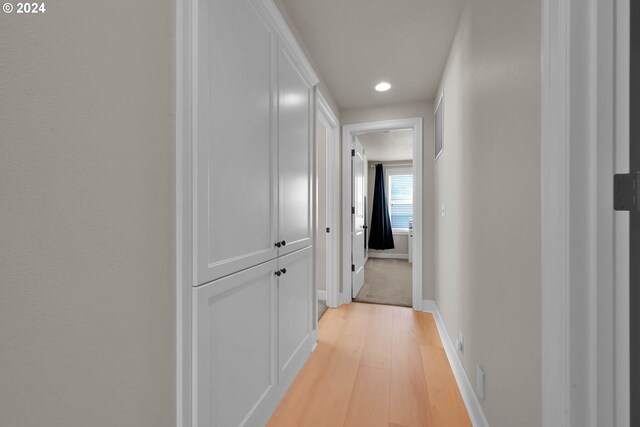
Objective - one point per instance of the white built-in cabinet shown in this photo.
(294, 312)
(253, 333)
(252, 186)
(294, 158)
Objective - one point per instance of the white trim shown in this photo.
(322, 295)
(471, 402)
(400, 231)
(388, 255)
(313, 208)
(346, 217)
(556, 385)
(285, 35)
(185, 57)
(348, 133)
(324, 107)
(429, 306)
(577, 214)
(602, 117)
(327, 116)
(622, 231)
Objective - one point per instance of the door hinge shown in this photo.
(353, 267)
(626, 192)
(328, 230)
(353, 210)
(353, 152)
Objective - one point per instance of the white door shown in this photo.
(358, 163)
(234, 369)
(294, 156)
(236, 185)
(295, 291)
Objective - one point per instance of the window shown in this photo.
(400, 185)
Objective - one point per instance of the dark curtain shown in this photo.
(381, 236)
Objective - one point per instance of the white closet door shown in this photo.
(234, 372)
(294, 155)
(236, 143)
(294, 312)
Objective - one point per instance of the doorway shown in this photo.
(404, 207)
(328, 206)
(388, 201)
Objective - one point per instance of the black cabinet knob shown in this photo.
(278, 273)
(284, 271)
(283, 243)
(278, 244)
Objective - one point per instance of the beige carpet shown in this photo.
(386, 281)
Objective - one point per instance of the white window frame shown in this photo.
(388, 172)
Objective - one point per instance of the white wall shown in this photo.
(87, 208)
(402, 111)
(488, 246)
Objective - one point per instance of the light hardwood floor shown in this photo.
(375, 365)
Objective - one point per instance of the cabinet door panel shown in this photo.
(294, 152)
(236, 148)
(294, 311)
(235, 347)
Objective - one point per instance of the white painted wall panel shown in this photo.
(294, 153)
(234, 347)
(253, 191)
(294, 308)
(236, 193)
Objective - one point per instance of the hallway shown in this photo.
(375, 365)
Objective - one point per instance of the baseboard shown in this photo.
(476, 414)
(429, 306)
(322, 295)
(389, 255)
(345, 298)
(340, 301)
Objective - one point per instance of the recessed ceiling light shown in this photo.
(383, 87)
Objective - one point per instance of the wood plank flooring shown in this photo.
(375, 366)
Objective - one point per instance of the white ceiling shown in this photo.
(359, 43)
(388, 146)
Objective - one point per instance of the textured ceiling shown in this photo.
(387, 146)
(358, 43)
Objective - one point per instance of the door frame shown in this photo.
(331, 123)
(579, 258)
(348, 134)
(622, 396)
